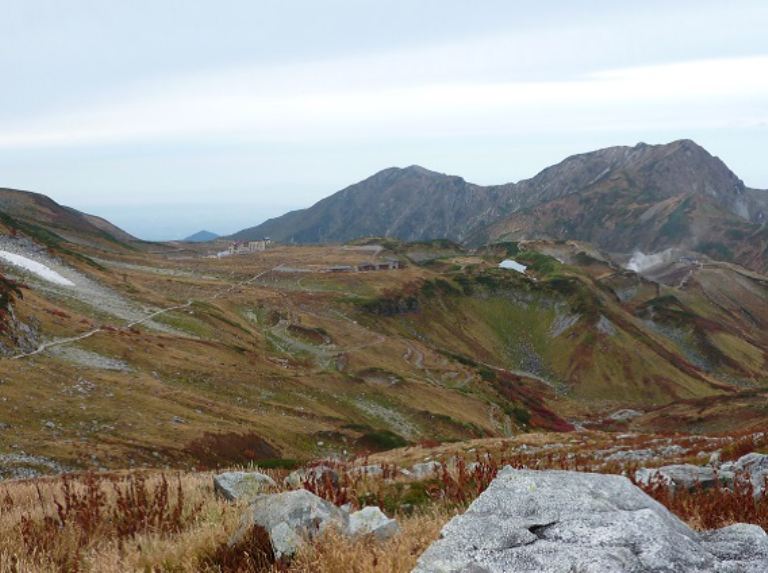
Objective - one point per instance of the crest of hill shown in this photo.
(580, 198)
(40, 216)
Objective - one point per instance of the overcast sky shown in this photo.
(170, 116)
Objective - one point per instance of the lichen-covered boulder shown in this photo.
(372, 521)
(239, 485)
(554, 521)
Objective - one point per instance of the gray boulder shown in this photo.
(371, 520)
(318, 473)
(238, 485)
(684, 476)
(290, 518)
(554, 521)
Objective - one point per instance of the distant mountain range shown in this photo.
(201, 237)
(648, 197)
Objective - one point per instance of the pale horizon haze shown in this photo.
(174, 116)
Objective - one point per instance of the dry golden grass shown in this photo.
(211, 523)
(90, 541)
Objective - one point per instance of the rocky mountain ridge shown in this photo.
(677, 189)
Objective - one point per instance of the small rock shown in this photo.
(238, 485)
(371, 520)
(427, 469)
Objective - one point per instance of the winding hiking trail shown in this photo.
(71, 340)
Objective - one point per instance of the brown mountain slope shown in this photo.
(411, 204)
(40, 216)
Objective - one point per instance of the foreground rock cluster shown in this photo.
(555, 521)
(293, 517)
(527, 520)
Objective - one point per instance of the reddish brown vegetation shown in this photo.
(85, 513)
(220, 450)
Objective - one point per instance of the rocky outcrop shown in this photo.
(554, 521)
(242, 485)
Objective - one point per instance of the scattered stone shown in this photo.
(685, 476)
(673, 450)
(372, 521)
(631, 456)
(238, 485)
(625, 415)
(554, 521)
(290, 518)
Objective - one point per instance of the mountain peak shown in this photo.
(418, 169)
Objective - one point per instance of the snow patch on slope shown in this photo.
(513, 265)
(35, 268)
(641, 262)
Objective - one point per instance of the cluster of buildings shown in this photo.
(244, 247)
